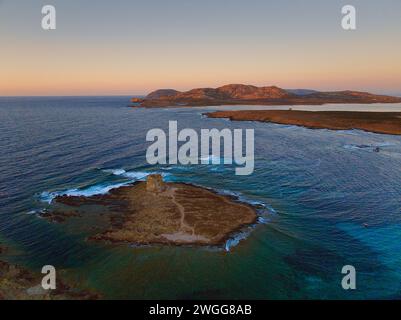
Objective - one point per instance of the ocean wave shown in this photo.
(214, 159)
(136, 175)
(257, 203)
(229, 193)
(166, 168)
(217, 160)
(349, 131)
(211, 159)
(101, 188)
(84, 192)
(37, 211)
(242, 198)
(115, 171)
(369, 147)
(235, 240)
(263, 220)
(245, 233)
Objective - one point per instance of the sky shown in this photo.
(124, 47)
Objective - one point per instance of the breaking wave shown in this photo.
(136, 175)
(234, 241)
(101, 188)
(77, 192)
(370, 147)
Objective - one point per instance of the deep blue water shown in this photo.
(330, 201)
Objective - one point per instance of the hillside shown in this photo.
(234, 94)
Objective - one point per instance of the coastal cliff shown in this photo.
(235, 94)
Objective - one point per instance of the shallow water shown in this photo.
(331, 199)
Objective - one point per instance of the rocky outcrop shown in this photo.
(137, 100)
(155, 183)
(158, 212)
(60, 217)
(248, 94)
(19, 283)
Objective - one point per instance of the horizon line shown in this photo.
(398, 93)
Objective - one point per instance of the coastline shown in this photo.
(287, 174)
(237, 94)
(376, 122)
(157, 212)
(194, 104)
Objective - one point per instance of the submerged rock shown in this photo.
(19, 283)
(59, 217)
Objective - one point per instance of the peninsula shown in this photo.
(240, 94)
(156, 212)
(378, 122)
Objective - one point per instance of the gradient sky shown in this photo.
(132, 47)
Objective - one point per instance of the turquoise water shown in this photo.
(329, 200)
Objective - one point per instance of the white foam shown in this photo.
(135, 175)
(245, 199)
(367, 146)
(235, 240)
(229, 193)
(258, 203)
(37, 211)
(115, 171)
(217, 160)
(85, 192)
(211, 159)
(97, 189)
(167, 168)
(263, 220)
(350, 131)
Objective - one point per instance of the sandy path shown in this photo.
(183, 225)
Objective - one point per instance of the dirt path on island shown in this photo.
(161, 213)
(183, 225)
(187, 232)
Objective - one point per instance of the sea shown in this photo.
(326, 199)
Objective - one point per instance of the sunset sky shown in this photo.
(132, 47)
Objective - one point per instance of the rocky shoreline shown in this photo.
(377, 122)
(19, 283)
(156, 212)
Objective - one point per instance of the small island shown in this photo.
(240, 94)
(156, 212)
(378, 122)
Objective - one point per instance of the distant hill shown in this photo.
(162, 93)
(301, 92)
(247, 94)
